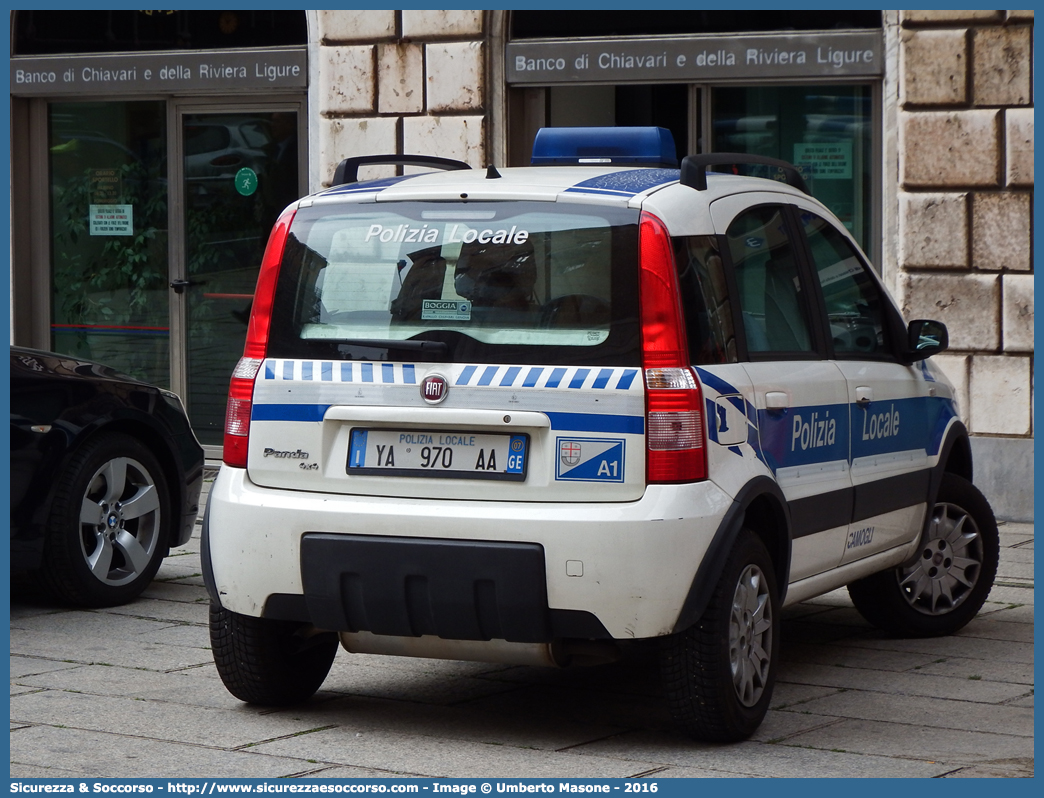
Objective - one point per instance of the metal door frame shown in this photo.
(177, 108)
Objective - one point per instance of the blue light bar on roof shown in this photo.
(647, 146)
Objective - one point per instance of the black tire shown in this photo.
(108, 528)
(718, 675)
(939, 591)
(269, 662)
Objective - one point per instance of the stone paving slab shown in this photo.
(993, 627)
(925, 711)
(533, 730)
(756, 759)
(1018, 613)
(848, 655)
(173, 722)
(964, 668)
(177, 591)
(438, 758)
(919, 742)
(954, 646)
(431, 687)
(191, 687)
(1012, 593)
(158, 609)
(28, 666)
(343, 772)
(80, 753)
(908, 684)
(789, 693)
(83, 624)
(780, 726)
(108, 650)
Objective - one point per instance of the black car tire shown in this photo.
(269, 662)
(718, 674)
(944, 586)
(108, 528)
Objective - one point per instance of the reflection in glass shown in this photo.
(240, 172)
(823, 130)
(109, 235)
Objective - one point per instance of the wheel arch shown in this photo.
(154, 441)
(956, 454)
(761, 507)
(955, 457)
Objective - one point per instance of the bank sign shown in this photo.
(849, 54)
(191, 71)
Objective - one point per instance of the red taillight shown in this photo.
(675, 450)
(241, 386)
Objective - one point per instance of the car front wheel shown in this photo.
(108, 525)
(945, 584)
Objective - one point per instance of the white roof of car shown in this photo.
(614, 185)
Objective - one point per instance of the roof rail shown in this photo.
(347, 171)
(694, 168)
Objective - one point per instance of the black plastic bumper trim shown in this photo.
(454, 589)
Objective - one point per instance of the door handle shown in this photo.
(776, 400)
(179, 286)
(864, 395)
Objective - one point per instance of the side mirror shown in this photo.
(925, 338)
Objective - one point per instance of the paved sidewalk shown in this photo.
(132, 692)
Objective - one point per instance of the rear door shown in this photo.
(890, 402)
(455, 350)
(800, 396)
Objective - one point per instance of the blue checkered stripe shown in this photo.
(339, 371)
(619, 379)
(475, 376)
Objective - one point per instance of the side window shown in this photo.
(705, 300)
(771, 297)
(853, 300)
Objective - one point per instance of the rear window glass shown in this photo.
(529, 282)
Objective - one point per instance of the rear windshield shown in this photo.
(517, 282)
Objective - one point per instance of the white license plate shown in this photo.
(423, 453)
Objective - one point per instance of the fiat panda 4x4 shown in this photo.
(533, 415)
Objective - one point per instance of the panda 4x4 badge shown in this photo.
(434, 388)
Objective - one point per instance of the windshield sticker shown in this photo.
(445, 310)
(455, 233)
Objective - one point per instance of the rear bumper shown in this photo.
(459, 569)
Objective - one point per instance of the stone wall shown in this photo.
(408, 81)
(965, 206)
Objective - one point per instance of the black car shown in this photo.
(105, 477)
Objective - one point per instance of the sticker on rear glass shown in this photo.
(590, 460)
(445, 310)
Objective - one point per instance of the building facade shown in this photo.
(915, 127)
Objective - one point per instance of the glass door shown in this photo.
(239, 170)
(108, 257)
(824, 130)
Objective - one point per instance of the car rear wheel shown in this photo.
(718, 675)
(943, 587)
(108, 526)
(269, 662)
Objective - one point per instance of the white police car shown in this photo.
(534, 415)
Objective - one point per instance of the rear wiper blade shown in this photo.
(424, 347)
